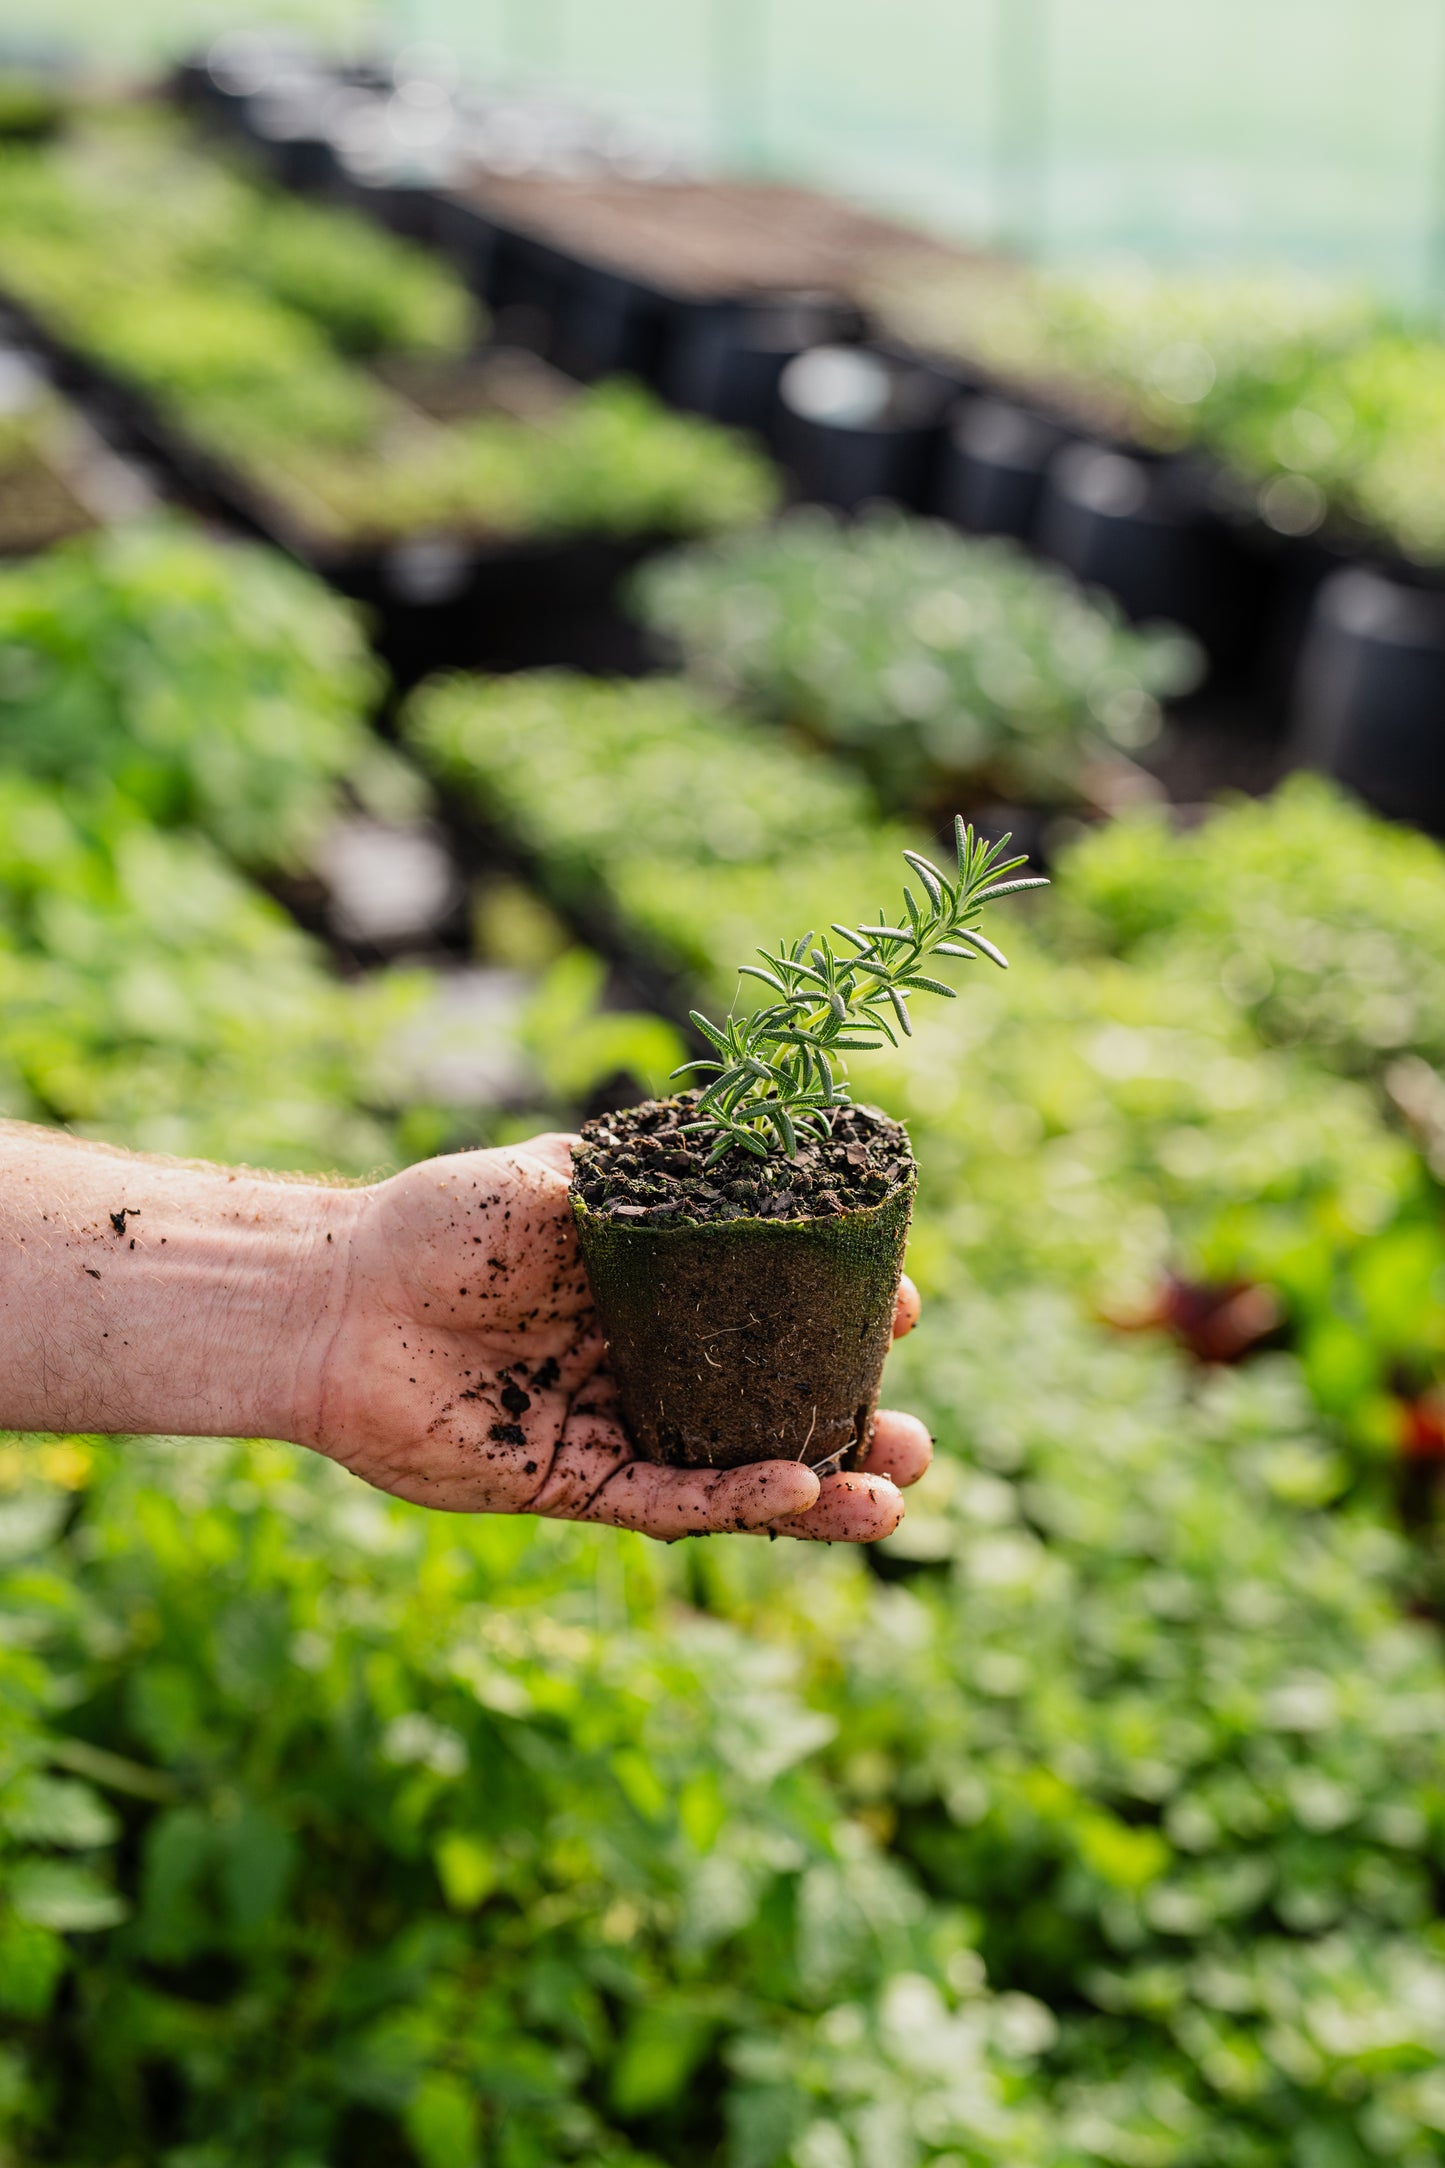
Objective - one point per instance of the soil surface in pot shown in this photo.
(638, 1165)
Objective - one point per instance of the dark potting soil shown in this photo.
(637, 1165)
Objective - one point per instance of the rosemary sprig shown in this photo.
(777, 1076)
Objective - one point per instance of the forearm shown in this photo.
(148, 1295)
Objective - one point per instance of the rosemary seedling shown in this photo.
(777, 1075)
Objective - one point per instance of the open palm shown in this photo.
(460, 1366)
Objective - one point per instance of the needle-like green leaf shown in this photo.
(778, 1078)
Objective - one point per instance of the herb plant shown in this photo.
(778, 1070)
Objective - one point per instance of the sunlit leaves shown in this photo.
(778, 1075)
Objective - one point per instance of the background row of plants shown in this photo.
(1099, 1821)
(1326, 403)
(334, 367)
(325, 361)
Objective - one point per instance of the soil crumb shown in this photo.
(637, 1164)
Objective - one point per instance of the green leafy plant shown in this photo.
(778, 1073)
(1324, 402)
(152, 996)
(369, 292)
(682, 815)
(32, 107)
(214, 686)
(1172, 358)
(249, 320)
(1322, 924)
(931, 659)
(610, 460)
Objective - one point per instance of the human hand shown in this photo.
(457, 1364)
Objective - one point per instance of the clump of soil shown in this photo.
(638, 1165)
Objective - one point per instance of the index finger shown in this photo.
(553, 1147)
(906, 1306)
(671, 1502)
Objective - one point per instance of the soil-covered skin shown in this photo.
(638, 1165)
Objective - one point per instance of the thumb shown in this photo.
(553, 1148)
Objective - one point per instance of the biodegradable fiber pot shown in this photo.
(747, 1308)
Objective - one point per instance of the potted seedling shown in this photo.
(744, 1239)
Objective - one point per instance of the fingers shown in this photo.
(905, 1308)
(601, 1482)
(553, 1147)
(670, 1502)
(901, 1448)
(850, 1509)
(594, 1477)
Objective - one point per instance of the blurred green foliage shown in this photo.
(1172, 357)
(1320, 923)
(938, 662)
(610, 460)
(682, 815)
(127, 202)
(39, 503)
(578, 1043)
(248, 318)
(154, 998)
(1326, 402)
(215, 687)
(32, 106)
(1099, 1825)
(1114, 1125)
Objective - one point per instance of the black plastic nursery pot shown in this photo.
(529, 287)
(1137, 529)
(609, 324)
(1369, 705)
(854, 426)
(462, 230)
(291, 134)
(735, 1340)
(438, 602)
(991, 466)
(725, 358)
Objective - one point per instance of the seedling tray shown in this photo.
(438, 599)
